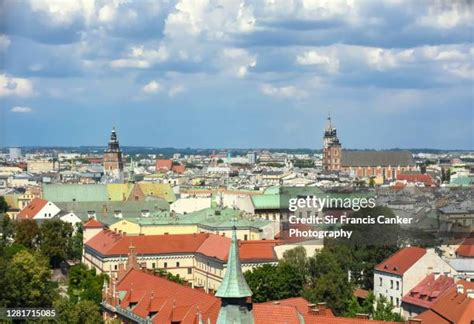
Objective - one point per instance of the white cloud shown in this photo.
(283, 92)
(175, 90)
(330, 63)
(4, 42)
(152, 87)
(141, 57)
(238, 61)
(65, 12)
(22, 110)
(447, 14)
(130, 63)
(11, 86)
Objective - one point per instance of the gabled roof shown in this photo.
(466, 249)
(377, 158)
(30, 211)
(109, 243)
(146, 293)
(402, 260)
(452, 307)
(427, 292)
(92, 223)
(164, 164)
(423, 178)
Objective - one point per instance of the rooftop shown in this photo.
(399, 262)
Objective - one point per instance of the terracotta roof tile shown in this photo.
(399, 262)
(30, 211)
(427, 292)
(466, 249)
(423, 178)
(93, 223)
(164, 164)
(451, 307)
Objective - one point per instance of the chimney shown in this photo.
(312, 309)
(460, 289)
(322, 308)
(414, 321)
(362, 316)
(470, 293)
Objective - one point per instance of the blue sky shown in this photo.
(397, 73)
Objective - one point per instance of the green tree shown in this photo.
(77, 239)
(56, 241)
(27, 282)
(384, 311)
(6, 229)
(26, 233)
(3, 205)
(84, 312)
(328, 282)
(85, 284)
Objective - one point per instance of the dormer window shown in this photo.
(118, 213)
(145, 213)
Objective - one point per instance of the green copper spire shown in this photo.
(233, 285)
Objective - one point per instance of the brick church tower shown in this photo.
(113, 165)
(332, 150)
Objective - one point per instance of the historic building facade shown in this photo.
(113, 164)
(363, 164)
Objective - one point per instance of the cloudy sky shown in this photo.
(198, 73)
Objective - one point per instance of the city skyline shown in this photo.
(395, 74)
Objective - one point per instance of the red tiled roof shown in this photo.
(275, 314)
(218, 247)
(164, 164)
(466, 249)
(300, 303)
(451, 307)
(427, 292)
(423, 178)
(109, 242)
(343, 320)
(30, 211)
(399, 262)
(93, 223)
(360, 293)
(172, 301)
(178, 168)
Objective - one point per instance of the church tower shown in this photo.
(332, 149)
(113, 165)
(234, 292)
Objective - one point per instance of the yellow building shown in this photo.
(199, 258)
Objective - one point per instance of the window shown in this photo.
(153, 265)
(190, 270)
(115, 267)
(380, 282)
(398, 302)
(245, 237)
(177, 264)
(165, 265)
(391, 284)
(398, 285)
(391, 300)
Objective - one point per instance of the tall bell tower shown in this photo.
(332, 149)
(113, 164)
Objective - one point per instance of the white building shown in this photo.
(394, 277)
(14, 153)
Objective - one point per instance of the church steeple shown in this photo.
(234, 291)
(113, 143)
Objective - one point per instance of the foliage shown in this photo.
(328, 281)
(26, 233)
(3, 205)
(303, 163)
(171, 277)
(84, 284)
(56, 241)
(272, 282)
(27, 281)
(6, 230)
(76, 244)
(83, 312)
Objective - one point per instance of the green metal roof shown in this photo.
(233, 285)
(266, 201)
(74, 192)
